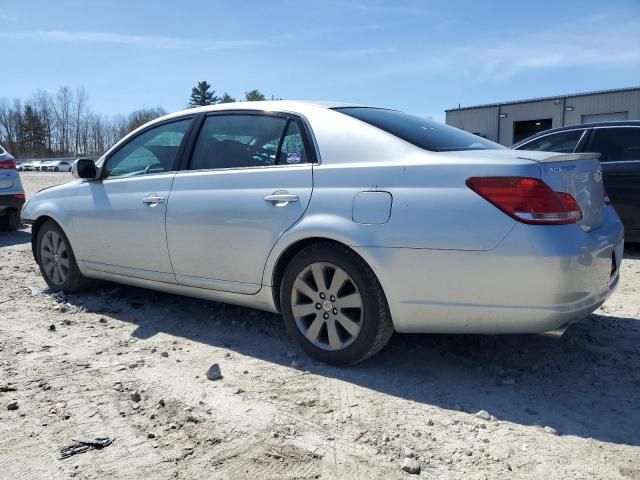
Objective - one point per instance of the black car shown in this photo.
(619, 146)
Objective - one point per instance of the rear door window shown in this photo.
(245, 140)
(562, 142)
(616, 144)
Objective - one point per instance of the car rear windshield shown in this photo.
(422, 132)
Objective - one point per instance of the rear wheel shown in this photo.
(334, 306)
(56, 169)
(57, 261)
(10, 221)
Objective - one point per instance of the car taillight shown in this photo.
(8, 164)
(528, 200)
(19, 196)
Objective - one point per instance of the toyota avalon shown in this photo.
(353, 222)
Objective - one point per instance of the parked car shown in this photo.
(25, 166)
(618, 144)
(353, 222)
(11, 192)
(56, 166)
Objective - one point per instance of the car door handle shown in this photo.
(281, 199)
(153, 200)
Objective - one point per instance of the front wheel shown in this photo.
(57, 261)
(334, 306)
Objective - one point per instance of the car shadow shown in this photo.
(584, 384)
(18, 237)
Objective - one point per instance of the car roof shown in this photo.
(294, 106)
(612, 123)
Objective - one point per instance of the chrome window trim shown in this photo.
(260, 167)
(620, 162)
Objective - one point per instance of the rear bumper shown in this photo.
(538, 279)
(11, 203)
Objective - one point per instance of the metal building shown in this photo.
(510, 122)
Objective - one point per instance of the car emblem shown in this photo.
(598, 175)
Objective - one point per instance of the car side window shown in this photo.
(563, 142)
(243, 140)
(153, 151)
(616, 144)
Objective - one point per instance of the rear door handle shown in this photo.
(281, 199)
(153, 200)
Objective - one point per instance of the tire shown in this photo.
(68, 279)
(320, 327)
(10, 221)
(56, 169)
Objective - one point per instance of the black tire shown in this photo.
(56, 169)
(10, 221)
(376, 327)
(74, 281)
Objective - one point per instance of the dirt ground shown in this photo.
(76, 363)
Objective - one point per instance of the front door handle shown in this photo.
(281, 199)
(153, 200)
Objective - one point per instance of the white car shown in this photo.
(56, 166)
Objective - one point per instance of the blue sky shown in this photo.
(418, 56)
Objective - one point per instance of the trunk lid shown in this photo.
(578, 174)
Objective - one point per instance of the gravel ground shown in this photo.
(132, 364)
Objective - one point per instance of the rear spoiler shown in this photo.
(565, 157)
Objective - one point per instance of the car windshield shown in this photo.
(419, 131)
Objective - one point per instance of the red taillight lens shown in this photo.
(8, 164)
(19, 196)
(528, 200)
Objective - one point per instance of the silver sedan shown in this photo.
(353, 222)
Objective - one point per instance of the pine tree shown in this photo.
(254, 96)
(200, 95)
(226, 98)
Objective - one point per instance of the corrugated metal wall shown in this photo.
(484, 120)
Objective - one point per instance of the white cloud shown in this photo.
(147, 41)
(389, 9)
(599, 42)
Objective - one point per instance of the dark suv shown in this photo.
(11, 192)
(619, 146)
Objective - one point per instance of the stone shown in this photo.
(52, 328)
(214, 372)
(151, 435)
(408, 453)
(410, 465)
(430, 422)
(13, 405)
(164, 354)
(135, 396)
(484, 415)
(551, 430)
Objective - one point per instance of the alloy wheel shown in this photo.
(327, 306)
(54, 256)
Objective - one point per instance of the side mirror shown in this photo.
(85, 168)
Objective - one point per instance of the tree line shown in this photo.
(63, 123)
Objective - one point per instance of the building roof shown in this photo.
(556, 97)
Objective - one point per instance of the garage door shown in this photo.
(605, 117)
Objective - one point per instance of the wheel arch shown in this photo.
(291, 251)
(35, 228)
